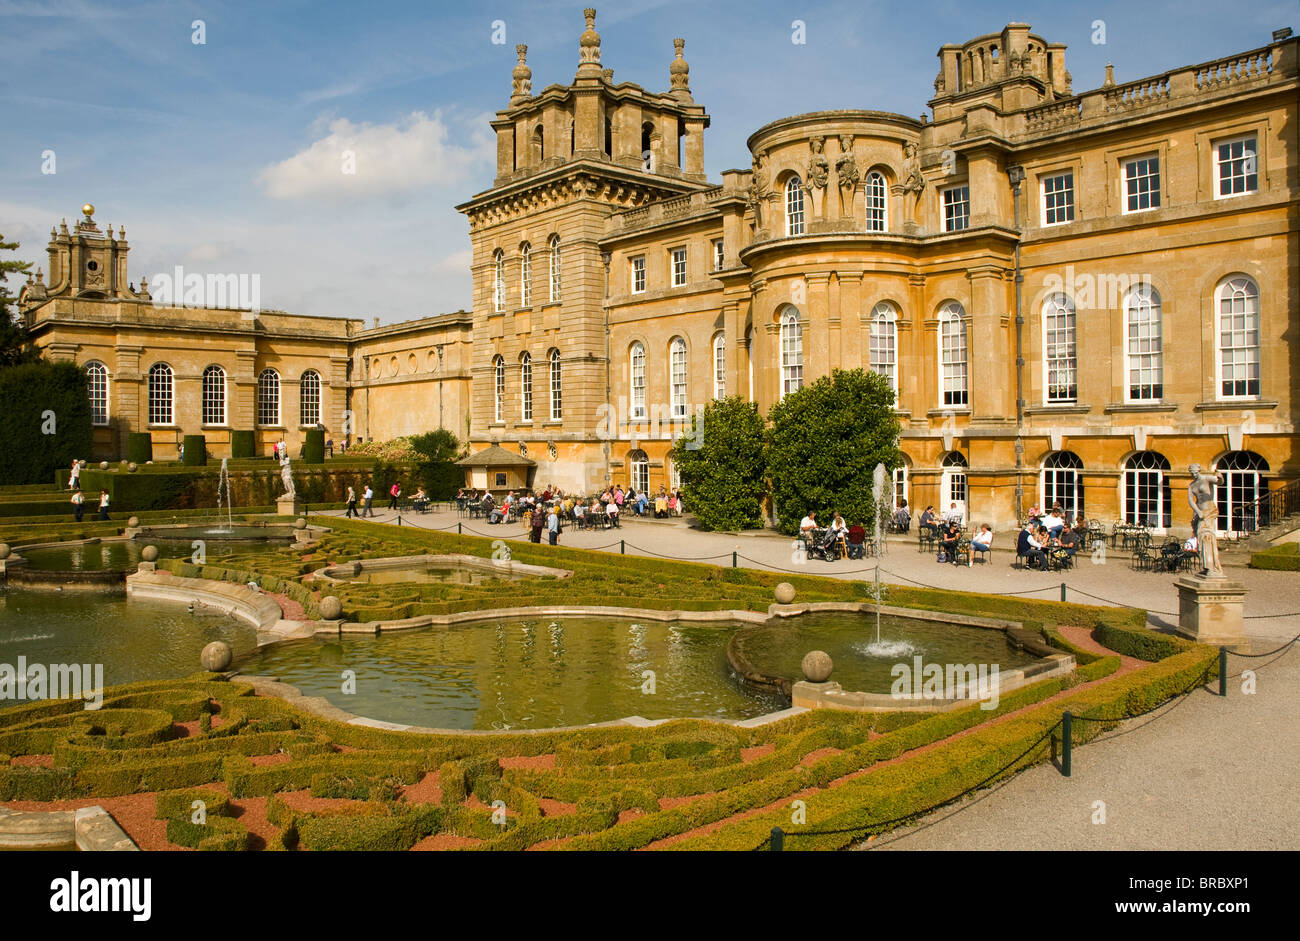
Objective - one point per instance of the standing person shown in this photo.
(352, 504)
(103, 505)
(74, 478)
(537, 523)
(394, 492)
(367, 497)
(78, 504)
(553, 526)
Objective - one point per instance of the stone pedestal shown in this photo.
(289, 506)
(1209, 610)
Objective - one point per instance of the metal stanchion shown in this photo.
(1066, 723)
(622, 548)
(733, 559)
(1062, 591)
(778, 840)
(1223, 671)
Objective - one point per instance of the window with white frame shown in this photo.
(677, 376)
(525, 275)
(161, 394)
(309, 398)
(1144, 345)
(900, 485)
(557, 398)
(636, 363)
(1142, 183)
(956, 208)
(638, 274)
(1242, 508)
(877, 202)
(1238, 347)
(718, 254)
(639, 465)
(952, 353)
(719, 366)
(555, 267)
(1058, 198)
(214, 396)
(679, 267)
(1147, 495)
(1236, 167)
(884, 343)
(791, 352)
(498, 280)
(1061, 484)
(1059, 352)
(525, 386)
(268, 397)
(97, 391)
(794, 206)
(498, 388)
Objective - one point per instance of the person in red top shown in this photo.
(393, 493)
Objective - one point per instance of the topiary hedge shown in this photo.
(195, 448)
(139, 447)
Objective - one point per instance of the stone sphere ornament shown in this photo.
(216, 656)
(300, 523)
(5, 550)
(331, 608)
(103, 465)
(817, 666)
(784, 593)
(132, 467)
(133, 522)
(149, 553)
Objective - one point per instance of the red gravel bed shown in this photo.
(530, 762)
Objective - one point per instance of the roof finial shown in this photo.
(589, 48)
(679, 72)
(1110, 76)
(523, 77)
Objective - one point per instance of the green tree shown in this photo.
(14, 346)
(436, 465)
(45, 421)
(440, 445)
(823, 444)
(722, 478)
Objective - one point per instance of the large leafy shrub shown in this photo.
(721, 465)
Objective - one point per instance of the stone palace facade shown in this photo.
(1075, 294)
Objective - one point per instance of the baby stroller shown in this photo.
(824, 544)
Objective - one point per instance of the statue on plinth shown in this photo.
(286, 476)
(1205, 512)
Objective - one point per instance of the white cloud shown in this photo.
(415, 151)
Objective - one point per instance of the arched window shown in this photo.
(637, 368)
(309, 398)
(214, 396)
(525, 275)
(1059, 353)
(557, 399)
(161, 390)
(498, 280)
(791, 352)
(877, 203)
(677, 376)
(268, 397)
(900, 485)
(1238, 346)
(1147, 498)
(498, 388)
(647, 147)
(952, 489)
(526, 385)
(97, 391)
(1061, 484)
(952, 353)
(1242, 508)
(719, 366)
(884, 343)
(639, 464)
(1143, 344)
(749, 350)
(554, 244)
(539, 145)
(609, 138)
(794, 206)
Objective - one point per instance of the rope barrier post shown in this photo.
(1062, 591)
(778, 840)
(733, 559)
(1066, 722)
(458, 529)
(1223, 671)
(622, 547)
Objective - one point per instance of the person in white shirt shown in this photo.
(366, 497)
(1053, 523)
(808, 523)
(103, 504)
(982, 543)
(954, 515)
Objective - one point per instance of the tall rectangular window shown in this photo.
(1238, 338)
(525, 276)
(1145, 356)
(679, 267)
(638, 275)
(1236, 166)
(952, 350)
(677, 365)
(956, 208)
(1142, 184)
(876, 202)
(883, 343)
(1059, 349)
(1058, 199)
(717, 254)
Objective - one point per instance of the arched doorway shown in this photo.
(1062, 483)
(1238, 495)
(639, 471)
(952, 489)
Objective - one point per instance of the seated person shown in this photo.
(948, 543)
(642, 501)
(928, 521)
(1069, 540)
(954, 515)
(420, 500)
(661, 507)
(837, 531)
(1029, 546)
(857, 536)
(612, 512)
(982, 541)
(672, 504)
(902, 518)
(1053, 522)
(579, 514)
(807, 525)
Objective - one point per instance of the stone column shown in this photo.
(986, 348)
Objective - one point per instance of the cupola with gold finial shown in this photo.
(589, 48)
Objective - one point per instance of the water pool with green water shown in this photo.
(119, 556)
(430, 574)
(133, 639)
(777, 648)
(521, 674)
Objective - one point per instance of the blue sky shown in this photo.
(224, 157)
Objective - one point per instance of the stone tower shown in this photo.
(83, 262)
(568, 158)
